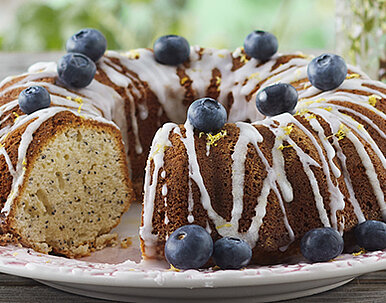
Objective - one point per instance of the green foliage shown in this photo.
(46, 25)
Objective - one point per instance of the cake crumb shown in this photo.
(106, 240)
(126, 242)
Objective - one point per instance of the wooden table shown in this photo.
(366, 288)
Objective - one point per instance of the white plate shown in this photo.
(118, 274)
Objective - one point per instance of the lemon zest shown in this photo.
(361, 252)
(343, 130)
(243, 58)
(172, 268)
(373, 99)
(309, 117)
(288, 129)
(353, 76)
(212, 139)
(158, 148)
(254, 76)
(78, 100)
(183, 80)
(16, 115)
(301, 112)
(313, 101)
(281, 147)
(224, 225)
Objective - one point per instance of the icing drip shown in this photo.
(134, 124)
(190, 203)
(164, 192)
(249, 134)
(157, 151)
(194, 172)
(370, 171)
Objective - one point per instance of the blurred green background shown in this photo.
(354, 29)
(46, 25)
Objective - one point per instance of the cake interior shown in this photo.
(75, 193)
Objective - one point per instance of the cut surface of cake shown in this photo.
(67, 183)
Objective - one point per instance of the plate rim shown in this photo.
(125, 276)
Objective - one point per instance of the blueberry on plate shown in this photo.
(321, 244)
(76, 70)
(231, 253)
(371, 235)
(87, 41)
(327, 71)
(189, 247)
(34, 98)
(171, 50)
(260, 45)
(207, 115)
(277, 99)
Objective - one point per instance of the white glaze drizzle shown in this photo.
(160, 143)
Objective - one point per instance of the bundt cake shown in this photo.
(270, 181)
(67, 171)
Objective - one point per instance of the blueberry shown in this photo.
(321, 244)
(327, 71)
(277, 99)
(260, 45)
(171, 50)
(189, 247)
(34, 98)
(371, 235)
(231, 253)
(87, 41)
(76, 70)
(207, 115)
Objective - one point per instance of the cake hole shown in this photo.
(42, 196)
(60, 180)
(79, 137)
(66, 157)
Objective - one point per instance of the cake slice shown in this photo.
(71, 187)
